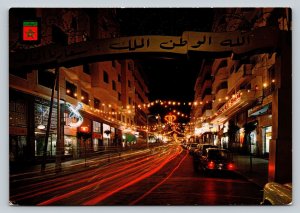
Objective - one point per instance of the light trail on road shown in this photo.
(92, 186)
(160, 183)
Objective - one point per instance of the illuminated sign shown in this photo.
(75, 117)
(84, 129)
(233, 101)
(170, 118)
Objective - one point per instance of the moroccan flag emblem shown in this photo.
(30, 31)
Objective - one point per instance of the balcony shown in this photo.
(207, 110)
(219, 99)
(218, 63)
(206, 85)
(207, 98)
(220, 77)
(243, 75)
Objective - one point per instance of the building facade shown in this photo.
(104, 93)
(245, 115)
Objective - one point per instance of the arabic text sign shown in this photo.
(235, 42)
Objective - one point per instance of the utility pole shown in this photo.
(58, 140)
(43, 165)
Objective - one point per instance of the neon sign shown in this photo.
(75, 116)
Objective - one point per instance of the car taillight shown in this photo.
(230, 166)
(211, 165)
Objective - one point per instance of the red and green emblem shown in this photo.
(30, 31)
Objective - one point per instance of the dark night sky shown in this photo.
(168, 79)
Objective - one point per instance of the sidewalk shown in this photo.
(259, 171)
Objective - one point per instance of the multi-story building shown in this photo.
(105, 92)
(249, 98)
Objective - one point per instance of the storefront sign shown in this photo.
(96, 135)
(230, 103)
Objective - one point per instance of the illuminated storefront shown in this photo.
(224, 137)
(41, 114)
(97, 136)
(267, 137)
(106, 135)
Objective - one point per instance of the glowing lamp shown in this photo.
(41, 126)
(84, 129)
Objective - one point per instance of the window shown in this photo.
(96, 103)
(114, 87)
(46, 78)
(119, 96)
(71, 89)
(96, 126)
(119, 77)
(17, 113)
(105, 77)
(85, 97)
(86, 69)
(129, 100)
(129, 83)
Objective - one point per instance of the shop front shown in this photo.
(41, 115)
(106, 135)
(18, 132)
(97, 136)
(267, 137)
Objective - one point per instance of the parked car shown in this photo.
(192, 148)
(201, 149)
(277, 194)
(215, 159)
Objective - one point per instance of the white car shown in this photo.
(277, 194)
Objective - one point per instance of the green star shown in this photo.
(30, 33)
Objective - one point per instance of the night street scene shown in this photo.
(150, 106)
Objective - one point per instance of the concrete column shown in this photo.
(280, 160)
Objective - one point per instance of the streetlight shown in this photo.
(147, 135)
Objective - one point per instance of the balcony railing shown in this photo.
(237, 78)
(219, 98)
(268, 90)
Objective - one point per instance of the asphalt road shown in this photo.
(161, 177)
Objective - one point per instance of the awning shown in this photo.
(257, 111)
(129, 137)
